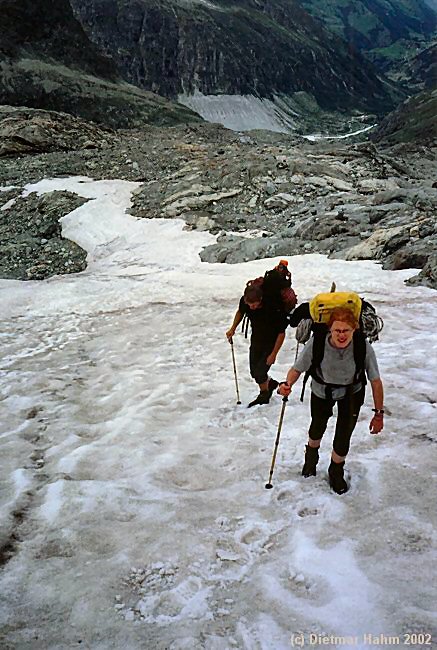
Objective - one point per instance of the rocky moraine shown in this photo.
(263, 194)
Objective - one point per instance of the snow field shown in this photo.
(133, 486)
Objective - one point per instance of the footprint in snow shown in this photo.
(307, 512)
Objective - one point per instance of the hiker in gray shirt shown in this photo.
(343, 361)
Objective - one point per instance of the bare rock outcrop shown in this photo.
(31, 243)
(23, 131)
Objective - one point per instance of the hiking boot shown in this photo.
(311, 460)
(263, 398)
(336, 477)
(272, 385)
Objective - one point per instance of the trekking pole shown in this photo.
(269, 485)
(235, 371)
(297, 351)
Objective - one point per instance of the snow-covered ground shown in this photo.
(133, 508)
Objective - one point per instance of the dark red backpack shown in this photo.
(276, 288)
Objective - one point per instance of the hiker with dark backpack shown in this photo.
(265, 307)
(338, 358)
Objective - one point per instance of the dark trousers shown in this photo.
(257, 363)
(348, 412)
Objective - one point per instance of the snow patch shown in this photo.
(205, 3)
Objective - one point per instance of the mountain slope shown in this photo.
(412, 121)
(48, 62)
(386, 30)
(423, 67)
(48, 30)
(260, 47)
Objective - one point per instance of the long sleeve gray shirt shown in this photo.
(337, 367)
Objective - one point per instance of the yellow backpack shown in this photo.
(322, 304)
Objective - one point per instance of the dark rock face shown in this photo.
(428, 275)
(405, 259)
(47, 30)
(413, 121)
(31, 244)
(48, 62)
(225, 47)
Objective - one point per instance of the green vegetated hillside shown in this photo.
(387, 30)
(413, 121)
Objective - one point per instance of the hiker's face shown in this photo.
(254, 305)
(341, 334)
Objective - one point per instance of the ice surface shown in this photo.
(247, 112)
(134, 513)
(240, 112)
(319, 136)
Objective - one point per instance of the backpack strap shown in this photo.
(319, 338)
(359, 343)
(245, 325)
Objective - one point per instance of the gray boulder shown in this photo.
(428, 275)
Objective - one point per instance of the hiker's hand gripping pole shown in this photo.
(235, 370)
(281, 418)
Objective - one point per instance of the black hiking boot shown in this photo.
(262, 398)
(311, 460)
(336, 477)
(272, 385)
